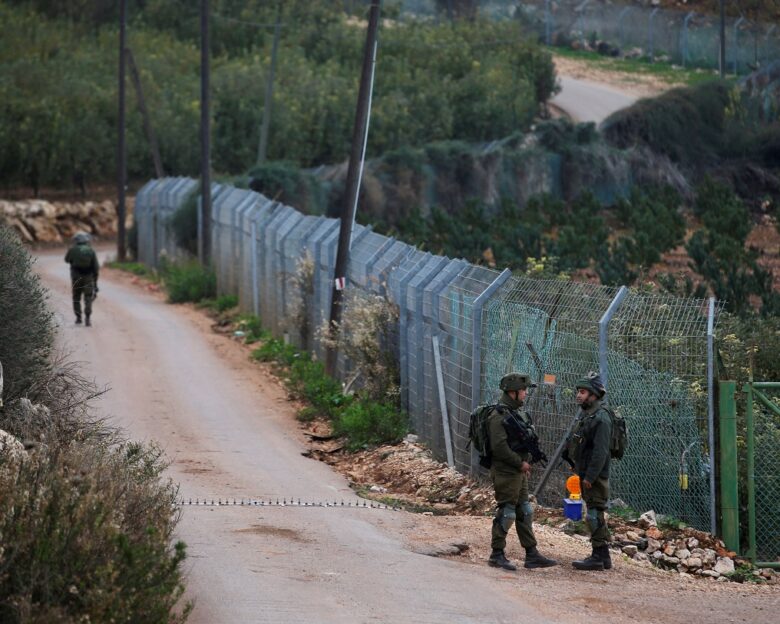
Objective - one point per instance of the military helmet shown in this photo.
(592, 383)
(516, 381)
(81, 237)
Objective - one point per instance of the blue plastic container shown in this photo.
(572, 509)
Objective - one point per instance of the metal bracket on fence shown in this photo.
(711, 410)
(603, 332)
(445, 417)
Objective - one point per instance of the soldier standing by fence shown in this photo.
(509, 471)
(589, 449)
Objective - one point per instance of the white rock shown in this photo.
(693, 543)
(693, 562)
(682, 553)
(658, 555)
(652, 545)
(647, 519)
(724, 565)
(630, 550)
(709, 556)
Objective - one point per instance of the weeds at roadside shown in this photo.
(136, 268)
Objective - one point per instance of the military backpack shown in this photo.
(479, 435)
(81, 257)
(619, 440)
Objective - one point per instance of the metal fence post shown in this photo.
(445, 417)
(735, 45)
(476, 346)
(684, 51)
(751, 471)
(255, 285)
(729, 483)
(650, 33)
(621, 32)
(769, 31)
(711, 410)
(604, 332)
(547, 24)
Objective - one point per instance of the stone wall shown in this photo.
(40, 221)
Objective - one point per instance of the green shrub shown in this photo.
(27, 328)
(85, 531)
(368, 423)
(252, 326)
(221, 303)
(136, 268)
(189, 281)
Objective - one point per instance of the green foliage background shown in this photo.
(473, 81)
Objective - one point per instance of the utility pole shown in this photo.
(354, 171)
(148, 129)
(722, 55)
(121, 182)
(269, 89)
(205, 134)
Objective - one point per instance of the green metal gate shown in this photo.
(762, 439)
(749, 472)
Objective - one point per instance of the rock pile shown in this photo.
(687, 551)
(40, 221)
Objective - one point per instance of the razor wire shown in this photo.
(450, 329)
(284, 502)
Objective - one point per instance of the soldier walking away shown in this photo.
(83, 275)
(511, 438)
(589, 449)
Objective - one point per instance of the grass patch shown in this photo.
(252, 327)
(136, 268)
(666, 72)
(361, 421)
(220, 304)
(189, 281)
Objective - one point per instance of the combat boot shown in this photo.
(87, 322)
(594, 562)
(603, 553)
(78, 319)
(498, 560)
(535, 559)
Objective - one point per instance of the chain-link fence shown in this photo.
(461, 327)
(686, 38)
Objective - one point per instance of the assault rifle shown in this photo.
(522, 438)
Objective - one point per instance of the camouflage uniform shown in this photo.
(510, 482)
(589, 449)
(83, 279)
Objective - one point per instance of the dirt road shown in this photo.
(229, 431)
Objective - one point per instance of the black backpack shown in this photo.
(618, 443)
(479, 436)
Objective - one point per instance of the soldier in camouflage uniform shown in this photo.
(84, 271)
(588, 448)
(509, 471)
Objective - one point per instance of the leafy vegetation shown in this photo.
(86, 519)
(27, 332)
(58, 93)
(188, 281)
(363, 421)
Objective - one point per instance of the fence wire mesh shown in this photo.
(477, 324)
(683, 37)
